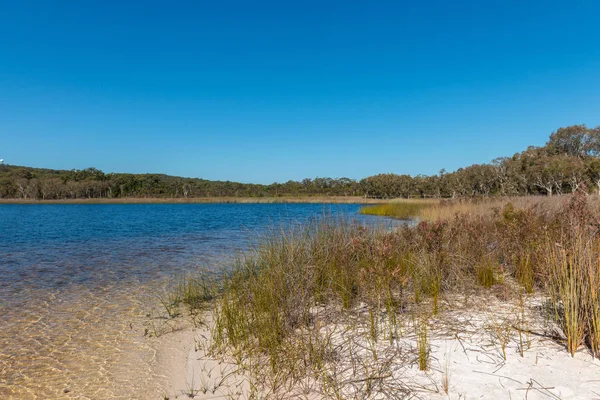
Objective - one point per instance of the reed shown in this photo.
(446, 376)
(274, 305)
(521, 326)
(479, 207)
(593, 274)
(486, 275)
(500, 329)
(422, 342)
(567, 290)
(574, 278)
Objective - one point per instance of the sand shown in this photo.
(183, 359)
(463, 345)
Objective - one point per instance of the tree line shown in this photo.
(569, 160)
(17, 182)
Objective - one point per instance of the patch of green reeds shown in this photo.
(422, 343)
(195, 292)
(401, 210)
(198, 291)
(486, 273)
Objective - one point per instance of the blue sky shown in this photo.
(270, 91)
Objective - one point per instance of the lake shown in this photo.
(77, 283)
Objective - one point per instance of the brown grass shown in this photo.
(448, 209)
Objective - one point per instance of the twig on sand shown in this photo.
(544, 335)
(499, 376)
(462, 345)
(499, 368)
(368, 378)
(543, 390)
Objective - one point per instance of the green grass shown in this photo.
(402, 209)
(486, 275)
(422, 343)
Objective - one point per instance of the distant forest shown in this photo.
(570, 159)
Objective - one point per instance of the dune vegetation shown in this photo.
(325, 307)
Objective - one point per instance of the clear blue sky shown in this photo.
(270, 91)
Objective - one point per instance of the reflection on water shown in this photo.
(76, 283)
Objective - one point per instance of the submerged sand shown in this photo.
(79, 344)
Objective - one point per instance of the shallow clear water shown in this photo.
(76, 283)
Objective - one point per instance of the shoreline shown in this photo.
(337, 312)
(207, 200)
(467, 359)
(169, 340)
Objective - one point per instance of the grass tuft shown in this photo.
(286, 310)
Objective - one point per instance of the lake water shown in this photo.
(77, 283)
